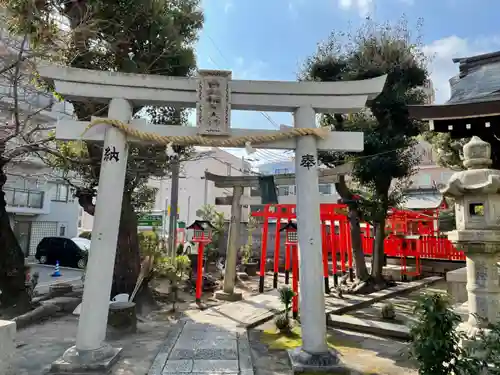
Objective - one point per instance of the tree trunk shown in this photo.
(128, 258)
(357, 246)
(378, 251)
(12, 268)
(354, 219)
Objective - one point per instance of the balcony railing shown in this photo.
(24, 198)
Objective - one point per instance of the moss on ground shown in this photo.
(276, 340)
(280, 341)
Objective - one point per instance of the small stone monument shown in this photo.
(477, 206)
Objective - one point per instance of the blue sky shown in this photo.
(269, 39)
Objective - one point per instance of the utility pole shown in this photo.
(205, 191)
(174, 202)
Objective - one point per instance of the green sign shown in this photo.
(181, 225)
(151, 220)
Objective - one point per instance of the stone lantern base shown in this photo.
(328, 362)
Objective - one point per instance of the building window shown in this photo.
(325, 189)
(62, 231)
(283, 191)
(61, 193)
(71, 196)
(281, 171)
(21, 198)
(423, 180)
(35, 199)
(445, 177)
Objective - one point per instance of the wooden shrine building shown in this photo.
(474, 105)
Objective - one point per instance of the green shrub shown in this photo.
(435, 341)
(149, 243)
(388, 311)
(282, 321)
(180, 249)
(87, 235)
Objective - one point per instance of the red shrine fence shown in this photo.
(411, 236)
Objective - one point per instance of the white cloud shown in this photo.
(228, 6)
(364, 7)
(442, 51)
(293, 6)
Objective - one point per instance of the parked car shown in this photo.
(68, 252)
(83, 243)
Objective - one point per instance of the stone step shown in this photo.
(377, 328)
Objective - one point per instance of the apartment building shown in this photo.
(39, 203)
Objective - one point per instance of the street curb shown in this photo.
(53, 266)
(65, 281)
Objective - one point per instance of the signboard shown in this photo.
(150, 220)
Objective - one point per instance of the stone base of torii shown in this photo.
(214, 94)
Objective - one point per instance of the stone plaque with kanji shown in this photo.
(213, 107)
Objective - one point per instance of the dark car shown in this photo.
(63, 250)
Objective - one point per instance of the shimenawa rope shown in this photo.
(214, 141)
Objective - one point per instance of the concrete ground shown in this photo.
(41, 344)
(69, 275)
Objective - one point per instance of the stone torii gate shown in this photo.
(214, 94)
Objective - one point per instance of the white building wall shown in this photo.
(195, 191)
(58, 215)
(288, 166)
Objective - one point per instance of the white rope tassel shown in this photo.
(248, 148)
(169, 150)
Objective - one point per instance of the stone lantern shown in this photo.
(477, 206)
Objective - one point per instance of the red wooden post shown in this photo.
(333, 240)
(276, 253)
(295, 285)
(199, 277)
(287, 264)
(325, 257)
(263, 249)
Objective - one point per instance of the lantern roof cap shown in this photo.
(478, 178)
(201, 224)
(289, 225)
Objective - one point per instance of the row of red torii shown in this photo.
(411, 235)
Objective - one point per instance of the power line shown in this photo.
(266, 116)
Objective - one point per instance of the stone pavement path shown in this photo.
(214, 341)
(202, 348)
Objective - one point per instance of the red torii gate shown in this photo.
(412, 234)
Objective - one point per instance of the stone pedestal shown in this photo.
(96, 361)
(456, 282)
(122, 319)
(327, 362)
(231, 297)
(7, 345)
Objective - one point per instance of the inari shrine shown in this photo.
(412, 235)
